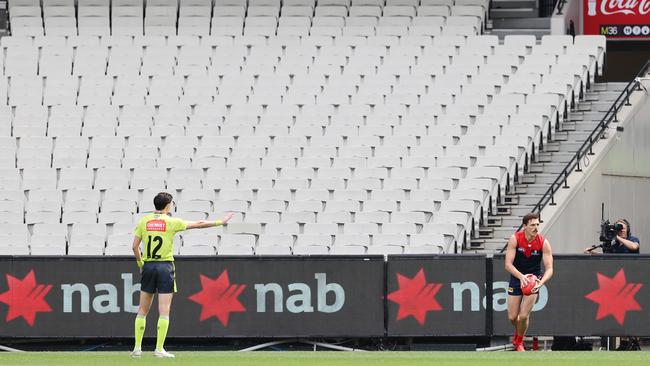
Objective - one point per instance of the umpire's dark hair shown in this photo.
(161, 200)
(529, 216)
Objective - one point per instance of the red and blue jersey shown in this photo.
(528, 258)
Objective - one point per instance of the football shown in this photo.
(532, 282)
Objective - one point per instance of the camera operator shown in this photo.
(623, 243)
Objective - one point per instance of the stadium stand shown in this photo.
(327, 127)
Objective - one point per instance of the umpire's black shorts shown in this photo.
(158, 277)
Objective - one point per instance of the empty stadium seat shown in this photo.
(335, 126)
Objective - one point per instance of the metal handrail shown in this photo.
(546, 7)
(587, 147)
(560, 6)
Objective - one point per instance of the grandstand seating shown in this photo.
(239, 17)
(337, 126)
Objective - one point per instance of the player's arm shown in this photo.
(136, 250)
(202, 224)
(547, 257)
(510, 258)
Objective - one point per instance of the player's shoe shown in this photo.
(162, 354)
(520, 347)
(136, 353)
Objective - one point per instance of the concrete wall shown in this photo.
(620, 179)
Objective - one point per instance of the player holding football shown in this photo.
(526, 250)
(156, 264)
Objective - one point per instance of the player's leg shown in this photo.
(147, 290)
(514, 304)
(164, 306)
(523, 318)
(167, 287)
(146, 299)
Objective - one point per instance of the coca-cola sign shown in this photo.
(617, 18)
(628, 7)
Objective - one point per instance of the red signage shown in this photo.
(25, 298)
(415, 297)
(617, 18)
(615, 296)
(219, 298)
(156, 225)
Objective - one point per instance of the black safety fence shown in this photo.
(546, 7)
(322, 296)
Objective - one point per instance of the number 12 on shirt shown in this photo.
(158, 242)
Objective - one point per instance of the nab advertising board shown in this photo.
(331, 296)
(439, 296)
(617, 18)
(588, 295)
(238, 297)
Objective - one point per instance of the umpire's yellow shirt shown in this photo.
(157, 233)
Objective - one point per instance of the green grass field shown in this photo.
(331, 358)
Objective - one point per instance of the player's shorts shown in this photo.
(514, 288)
(158, 277)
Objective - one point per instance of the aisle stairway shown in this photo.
(546, 166)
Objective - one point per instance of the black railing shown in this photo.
(560, 6)
(586, 148)
(546, 8)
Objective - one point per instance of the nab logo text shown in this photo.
(300, 299)
(105, 297)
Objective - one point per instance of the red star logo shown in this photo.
(415, 297)
(219, 298)
(25, 298)
(615, 296)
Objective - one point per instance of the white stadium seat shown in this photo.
(329, 127)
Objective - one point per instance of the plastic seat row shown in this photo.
(548, 44)
(238, 234)
(269, 182)
(131, 18)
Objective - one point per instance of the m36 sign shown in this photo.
(617, 18)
